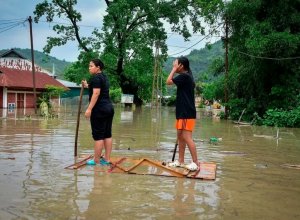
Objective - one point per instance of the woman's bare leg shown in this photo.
(188, 138)
(182, 146)
(98, 146)
(108, 148)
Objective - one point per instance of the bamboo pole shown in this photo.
(78, 119)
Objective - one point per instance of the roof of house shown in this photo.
(68, 84)
(23, 79)
(12, 53)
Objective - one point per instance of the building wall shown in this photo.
(11, 98)
(29, 100)
(23, 99)
(17, 97)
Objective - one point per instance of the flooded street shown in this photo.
(253, 181)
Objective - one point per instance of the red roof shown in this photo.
(23, 79)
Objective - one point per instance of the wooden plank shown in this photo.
(167, 171)
(79, 163)
(160, 164)
(207, 171)
(147, 166)
(135, 165)
(115, 165)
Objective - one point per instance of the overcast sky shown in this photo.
(14, 29)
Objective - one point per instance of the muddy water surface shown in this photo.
(251, 181)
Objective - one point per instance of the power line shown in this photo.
(52, 22)
(9, 22)
(268, 58)
(175, 46)
(196, 42)
(12, 20)
(191, 41)
(8, 26)
(11, 26)
(193, 35)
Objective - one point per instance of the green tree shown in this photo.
(79, 69)
(130, 30)
(264, 53)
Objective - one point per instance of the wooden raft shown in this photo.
(145, 166)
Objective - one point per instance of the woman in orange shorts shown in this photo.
(185, 111)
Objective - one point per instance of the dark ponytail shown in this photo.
(186, 65)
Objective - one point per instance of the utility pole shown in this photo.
(156, 84)
(32, 65)
(226, 68)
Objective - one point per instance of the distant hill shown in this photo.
(44, 61)
(199, 59)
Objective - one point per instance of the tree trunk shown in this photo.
(127, 85)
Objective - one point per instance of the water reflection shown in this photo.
(141, 197)
(194, 199)
(250, 179)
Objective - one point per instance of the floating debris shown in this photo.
(145, 166)
(267, 136)
(8, 158)
(261, 166)
(233, 153)
(214, 140)
(291, 166)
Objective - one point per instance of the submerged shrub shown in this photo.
(282, 118)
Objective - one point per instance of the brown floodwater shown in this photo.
(254, 179)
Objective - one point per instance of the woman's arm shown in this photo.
(96, 94)
(176, 68)
(170, 77)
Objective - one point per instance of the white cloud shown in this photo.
(92, 15)
(92, 12)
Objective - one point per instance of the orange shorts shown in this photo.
(185, 124)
